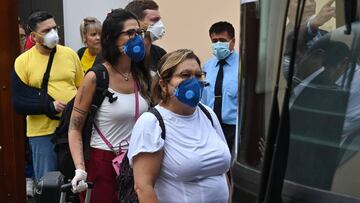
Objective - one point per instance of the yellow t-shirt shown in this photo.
(65, 77)
(87, 60)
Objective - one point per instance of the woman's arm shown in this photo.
(229, 186)
(146, 170)
(79, 113)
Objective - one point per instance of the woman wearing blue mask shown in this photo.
(189, 162)
(129, 84)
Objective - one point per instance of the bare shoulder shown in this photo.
(90, 78)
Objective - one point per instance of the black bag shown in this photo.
(60, 138)
(125, 180)
(34, 101)
(53, 188)
(47, 190)
(127, 193)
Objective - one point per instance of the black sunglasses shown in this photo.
(133, 32)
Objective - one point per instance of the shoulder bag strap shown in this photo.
(44, 84)
(137, 114)
(161, 121)
(103, 137)
(207, 113)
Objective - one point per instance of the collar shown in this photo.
(225, 60)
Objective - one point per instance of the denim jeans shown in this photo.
(29, 170)
(44, 157)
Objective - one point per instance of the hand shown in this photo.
(324, 15)
(78, 182)
(59, 106)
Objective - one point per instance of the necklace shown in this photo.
(124, 75)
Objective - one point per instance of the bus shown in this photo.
(298, 130)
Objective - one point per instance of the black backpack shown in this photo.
(60, 138)
(127, 194)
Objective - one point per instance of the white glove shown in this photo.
(78, 182)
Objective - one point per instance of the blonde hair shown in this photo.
(87, 24)
(166, 68)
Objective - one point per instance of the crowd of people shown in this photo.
(198, 105)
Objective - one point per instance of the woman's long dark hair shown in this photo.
(112, 26)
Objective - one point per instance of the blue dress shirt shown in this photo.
(229, 87)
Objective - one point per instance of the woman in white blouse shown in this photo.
(190, 164)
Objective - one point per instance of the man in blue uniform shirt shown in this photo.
(222, 76)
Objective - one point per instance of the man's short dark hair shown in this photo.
(37, 17)
(111, 30)
(222, 26)
(139, 6)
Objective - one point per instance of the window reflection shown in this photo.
(325, 103)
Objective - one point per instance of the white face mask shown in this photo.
(51, 39)
(157, 30)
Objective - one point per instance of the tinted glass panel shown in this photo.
(325, 102)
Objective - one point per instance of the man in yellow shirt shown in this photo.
(65, 77)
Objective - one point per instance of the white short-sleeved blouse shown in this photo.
(196, 156)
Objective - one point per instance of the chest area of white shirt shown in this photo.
(199, 152)
(193, 136)
(123, 107)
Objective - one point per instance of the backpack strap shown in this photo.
(158, 116)
(81, 52)
(207, 113)
(102, 84)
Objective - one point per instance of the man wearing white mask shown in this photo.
(221, 93)
(150, 20)
(65, 76)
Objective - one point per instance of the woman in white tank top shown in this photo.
(129, 82)
(190, 164)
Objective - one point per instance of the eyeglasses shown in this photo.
(200, 75)
(132, 32)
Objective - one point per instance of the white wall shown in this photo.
(76, 10)
(186, 22)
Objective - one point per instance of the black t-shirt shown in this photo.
(156, 54)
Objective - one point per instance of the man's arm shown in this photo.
(30, 100)
(325, 14)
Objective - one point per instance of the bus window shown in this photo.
(325, 100)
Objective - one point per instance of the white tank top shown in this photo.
(116, 120)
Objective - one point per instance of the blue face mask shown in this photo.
(221, 49)
(134, 48)
(189, 92)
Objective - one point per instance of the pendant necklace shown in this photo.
(124, 75)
